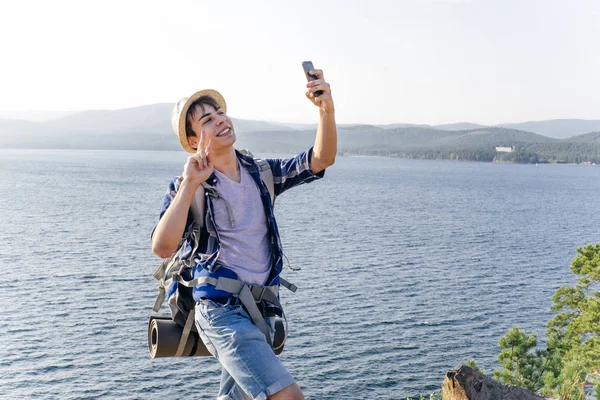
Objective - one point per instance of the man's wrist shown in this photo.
(329, 113)
(188, 185)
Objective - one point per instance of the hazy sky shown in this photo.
(418, 61)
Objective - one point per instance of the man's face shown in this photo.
(214, 124)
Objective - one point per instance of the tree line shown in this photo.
(524, 153)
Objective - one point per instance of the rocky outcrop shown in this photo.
(464, 383)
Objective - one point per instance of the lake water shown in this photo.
(409, 268)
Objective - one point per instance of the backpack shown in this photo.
(176, 335)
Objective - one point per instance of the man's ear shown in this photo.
(193, 142)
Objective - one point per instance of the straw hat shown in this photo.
(180, 112)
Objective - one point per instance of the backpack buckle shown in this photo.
(258, 292)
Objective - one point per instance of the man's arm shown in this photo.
(170, 227)
(325, 147)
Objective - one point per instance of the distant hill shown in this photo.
(557, 128)
(298, 127)
(149, 128)
(34, 115)
(491, 136)
(593, 137)
(459, 126)
(358, 137)
(138, 127)
(149, 119)
(401, 125)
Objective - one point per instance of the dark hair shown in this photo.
(191, 113)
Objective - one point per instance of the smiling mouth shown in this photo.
(224, 132)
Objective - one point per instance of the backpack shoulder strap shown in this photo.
(266, 175)
(197, 206)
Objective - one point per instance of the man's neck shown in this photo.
(226, 162)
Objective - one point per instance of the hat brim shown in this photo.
(184, 110)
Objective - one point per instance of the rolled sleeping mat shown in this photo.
(164, 335)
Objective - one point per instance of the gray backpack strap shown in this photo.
(263, 293)
(162, 294)
(186, 332)
(160, 275)
(197, 206)
(163, 276)
(265, 173)
(247, 300)
(287, 284)
(196, 281)
(249, 295)
(267, 177)
(244, 293)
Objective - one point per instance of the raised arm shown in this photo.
(325, 148)
(169, 230)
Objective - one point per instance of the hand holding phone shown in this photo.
(307, 66)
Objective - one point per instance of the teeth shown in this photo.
(224, 132)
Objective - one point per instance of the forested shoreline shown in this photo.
(526, 153)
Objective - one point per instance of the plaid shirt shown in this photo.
(287, 173)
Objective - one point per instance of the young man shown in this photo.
(239, 239)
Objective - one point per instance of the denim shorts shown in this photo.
(251, 370)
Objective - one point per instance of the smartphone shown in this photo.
(307, 66)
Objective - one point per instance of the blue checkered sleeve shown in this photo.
(290, 172)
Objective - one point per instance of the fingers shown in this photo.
(203, 150)
(202, 143)
(203, 161)
(209, 145)
(196, 159)
(196, 171)
(318, 73)
(316, 86)
(319, 84)
(200, 157)
(310, 96)
(317, 100)
(324, 101)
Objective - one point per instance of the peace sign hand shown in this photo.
(198, 167)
